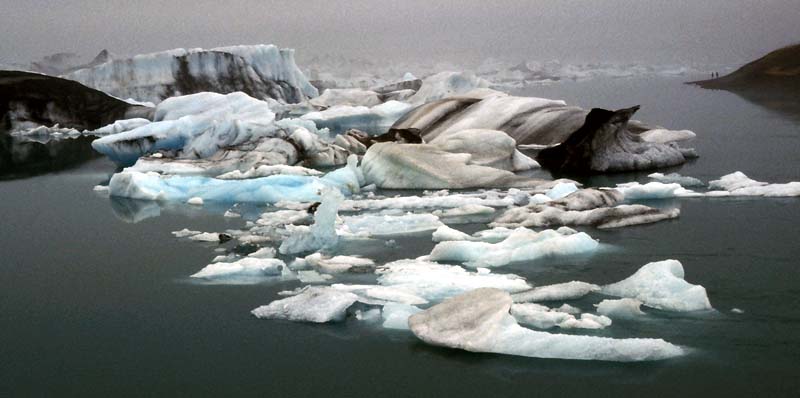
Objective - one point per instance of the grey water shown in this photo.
(95, 299)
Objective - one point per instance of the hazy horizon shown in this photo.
(677, 32)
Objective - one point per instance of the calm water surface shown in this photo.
(94, 297)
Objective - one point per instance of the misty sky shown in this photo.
(653, 31)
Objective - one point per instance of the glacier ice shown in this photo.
(522, 245)
(557, 292)
(433, 281)
(395, 315)
(661, 285)
(246, 269)
(322, 233)
(374, 120)
(479, 321)
(348, 96)
(262, 71)
(375, 225)
(675, 178)
(445, 84)
(738, 184)
(272, 189)
(621, 308)
(317, 304)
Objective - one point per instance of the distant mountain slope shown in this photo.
(776, 71)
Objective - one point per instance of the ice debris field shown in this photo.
(322, 166)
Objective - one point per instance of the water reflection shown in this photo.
(22, 158)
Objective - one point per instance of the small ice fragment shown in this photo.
(195, 201)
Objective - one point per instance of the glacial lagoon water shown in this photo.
(95, 299)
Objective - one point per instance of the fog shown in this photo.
(678, 31)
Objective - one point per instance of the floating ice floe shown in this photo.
(622, 308)
(479, 321)
(603, 217)
(541, 317)
(663, 136)
(522, 245)
(185, 233)
(376, 225)
(381, 295)
(434, 282)
(312, 304)
(336, 264)
(675, 178)
(272, 189)
(738, 184)
(661, 285)
(557, 292)
(247, 269)
(654, 190)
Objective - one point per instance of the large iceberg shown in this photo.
(262, 71)
(479, 321)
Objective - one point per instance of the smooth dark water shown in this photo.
(92, 304)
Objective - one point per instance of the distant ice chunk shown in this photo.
(557, 292)
(479, 321)
(522, 245)
(185, 233)
(195, 201)
(347, 96)
(738, 184)
(445, 84)
(206, 237)
(445, 233)
(243, 269)
(654, 190)
(314, 304)
(661, 285)
(374, 120)
(675, 178)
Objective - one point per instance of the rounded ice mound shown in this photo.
(661, 285)
(313, 304)
(479, 321)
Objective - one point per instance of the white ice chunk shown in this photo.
(314, 304)
(479, 321)
(205, 237)
(661, 285)
(663, 136)
(395, 315)
(433, 281)
(622, 308)
(248, 267)
(522, 245)
(337, 264)
(654, 190)
(561, 190)
(321, 234)
(195, 201)
(738, 184)
(184, 233)
(675, 178)
(368, 225)
(445, 84)
(557, 292)
(445, 233)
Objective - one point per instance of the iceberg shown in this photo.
(445, 84)
(661, 285)
(522, 245)
(675, 178)
(602, 218)
(622, 308)
(654, 190)
(272, 189)
(374, 120)
(322, 233)
(348, 96)
(261, 71)
(541, 317)
(479, 321)
(317, 304)
(376, 225)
